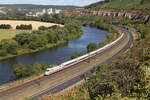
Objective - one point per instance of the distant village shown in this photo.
(41, 12)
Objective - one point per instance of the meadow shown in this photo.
(10, 33)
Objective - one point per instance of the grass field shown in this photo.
(5, 34)
(35, 24)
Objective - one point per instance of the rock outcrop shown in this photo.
(136, 14)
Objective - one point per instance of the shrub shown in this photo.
(5, 26)
(91, 47)
(24, 27)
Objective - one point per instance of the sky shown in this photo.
(50, 2)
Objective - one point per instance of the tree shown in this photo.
(19, 70)
(42, 28)
(35, 69)
(23, 39)
(91, 47)
(38, 41)
(9, 45)
(52, 37)
(102, 89)
(5, 26)
(3, 52)
(24, 27)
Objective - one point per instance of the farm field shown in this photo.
(6, 34)
(35, 24)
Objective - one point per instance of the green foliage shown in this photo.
(125, 75)
(144, 30)
(23, 39)
(122, 4)
(29, 99)
(101, 89)
(22, 71)
(33, 41)
(5, 26)
(19, 70)
(52, 37)
(24, 27)
(37, 41)
(40, 39)
(3, 52)
(8, 46)
(77, 55)
(91, 47)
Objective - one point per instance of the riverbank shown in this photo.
(27, 51)
(45, 38)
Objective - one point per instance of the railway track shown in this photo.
(65, 78)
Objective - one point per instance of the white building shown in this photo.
(57, 11)
(44, 11)
(50, 11)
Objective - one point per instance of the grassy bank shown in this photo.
(22, 51)
(10, 33)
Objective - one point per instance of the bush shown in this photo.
(3, 52)
(5, 26)
(38, 41)
(9, 46)
(22, 71)
(24, 27)
(19, 70)
(91, 47)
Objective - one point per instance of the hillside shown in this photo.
(31, 6)
(22, 9)
(122, 4)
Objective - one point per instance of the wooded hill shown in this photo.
(122, 4)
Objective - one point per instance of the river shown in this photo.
(54, 55)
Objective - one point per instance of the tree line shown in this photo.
(20, 27)
(5, 26)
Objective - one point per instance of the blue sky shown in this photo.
(50, 2)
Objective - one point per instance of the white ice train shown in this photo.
(79, 59)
